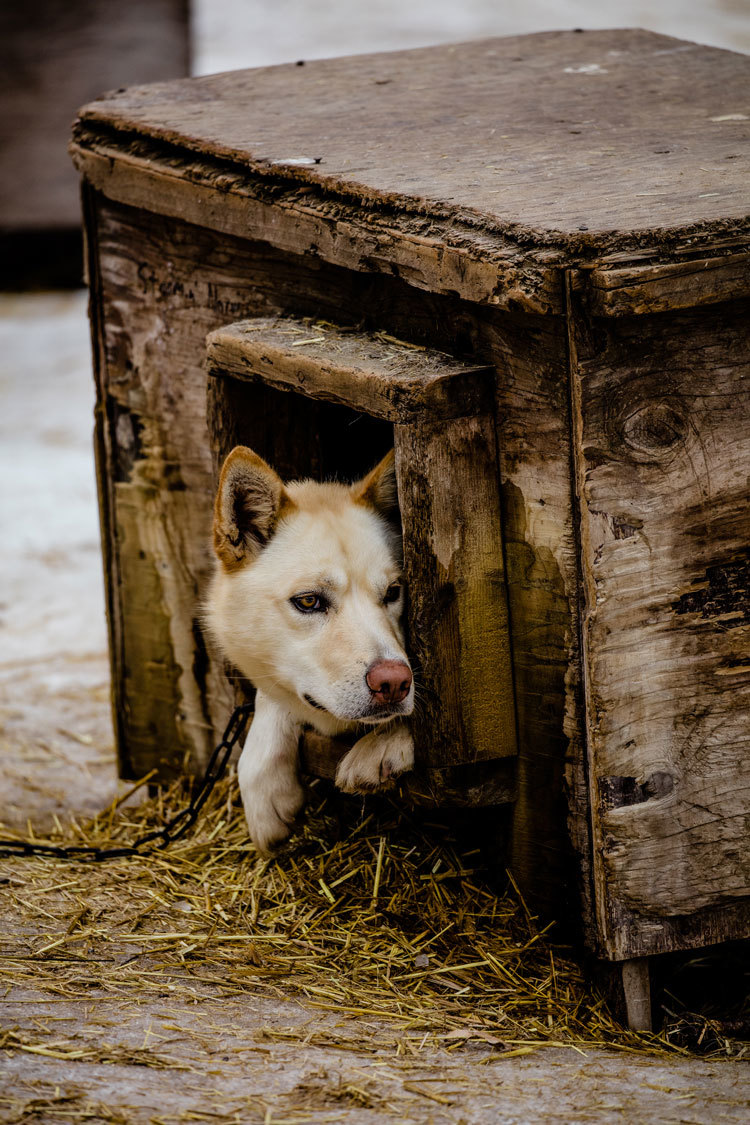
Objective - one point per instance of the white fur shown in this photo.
(272, 795)
(376, 759)
(326, 541)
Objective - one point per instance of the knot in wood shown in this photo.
(653, 428)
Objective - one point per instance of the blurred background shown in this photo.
(229, 34)
(55, 730)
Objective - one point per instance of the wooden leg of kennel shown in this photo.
(636, 986)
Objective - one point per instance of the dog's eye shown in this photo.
(393, 593)
(309, 603)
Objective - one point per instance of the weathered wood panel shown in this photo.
(662, 421)
(549, 138)
(466, 263)
(455, 574)
(374, 374)
(541, 551)
(634, 290)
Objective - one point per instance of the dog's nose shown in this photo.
(389, 680)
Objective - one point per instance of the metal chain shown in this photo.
(175, 827)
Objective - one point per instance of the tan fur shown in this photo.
(378, 489)
(245, 473)
(275, 542)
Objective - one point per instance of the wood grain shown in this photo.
(439, 257)
(548, 856)
(496, 132)
(662, 421)
(455, 574)
(636, 985)
(372, 373)
(634, 290)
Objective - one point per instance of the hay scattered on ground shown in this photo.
(370, 911)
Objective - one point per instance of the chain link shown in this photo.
(174, 828)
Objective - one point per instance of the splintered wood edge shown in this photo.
(635, 290)
(510, 268)
(380, 376)
(479, 266)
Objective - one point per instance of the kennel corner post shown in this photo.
(658, 368)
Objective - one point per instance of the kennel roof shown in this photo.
(575, 148)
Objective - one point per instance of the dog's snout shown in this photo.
(389, 680)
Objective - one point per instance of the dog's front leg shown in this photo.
(268, 773)
(375, 760)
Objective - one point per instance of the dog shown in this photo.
(306, 602)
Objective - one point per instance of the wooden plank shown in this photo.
(372, 373)
(104, 479)
(496, 134)
(662, 421)
(440, 258)
(541, 553)
(455, 574)
(632, 291)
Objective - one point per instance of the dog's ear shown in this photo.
(249, 501)
(378, 489)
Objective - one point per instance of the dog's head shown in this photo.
(307, 598)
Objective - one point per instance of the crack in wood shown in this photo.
(726, 596)
(617, 792)
(126, 429)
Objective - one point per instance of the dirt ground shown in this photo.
(174, 1060)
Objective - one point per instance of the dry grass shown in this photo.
(370, 911)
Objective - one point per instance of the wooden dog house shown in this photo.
(527, 263)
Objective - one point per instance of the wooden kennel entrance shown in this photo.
(319, 401)
(563, 218)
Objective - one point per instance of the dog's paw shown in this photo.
(376, 760)
(272, 805)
